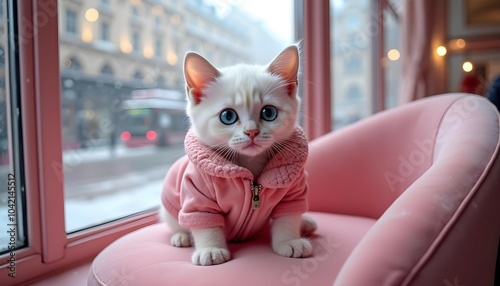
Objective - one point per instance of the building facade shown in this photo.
(108, 48)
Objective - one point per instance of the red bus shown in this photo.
(154, 117)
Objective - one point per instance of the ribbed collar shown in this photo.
(281, 170)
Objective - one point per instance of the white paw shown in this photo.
(296, 248)
(210, 256)
(181, 239)
(307, 225)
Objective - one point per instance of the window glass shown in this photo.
(12, 232)
(353, 40)
(392, 61)
(158, 48)
(105, 36)
(118, 140)
(71, 22)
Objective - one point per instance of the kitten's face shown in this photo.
(243, 109)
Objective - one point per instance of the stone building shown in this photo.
(108, 48)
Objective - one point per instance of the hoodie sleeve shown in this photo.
(199, 208)
(295, 200)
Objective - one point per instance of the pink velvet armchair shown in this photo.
(409, 196)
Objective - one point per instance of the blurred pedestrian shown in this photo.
(112, 140)
(472, 83)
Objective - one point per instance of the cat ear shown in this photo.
(198, 72)
(286, 65)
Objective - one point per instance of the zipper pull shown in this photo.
(255, 188)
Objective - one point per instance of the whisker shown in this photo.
(275, 87)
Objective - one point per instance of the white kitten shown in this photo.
(245, 158)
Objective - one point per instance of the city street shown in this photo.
(100, 186)
(93, 172)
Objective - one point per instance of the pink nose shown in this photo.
(252, 133)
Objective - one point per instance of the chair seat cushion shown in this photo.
(145, 257)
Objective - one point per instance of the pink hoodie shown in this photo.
(204, 189)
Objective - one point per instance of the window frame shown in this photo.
(50, 247)
(13, 129)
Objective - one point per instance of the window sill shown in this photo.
(73, 276)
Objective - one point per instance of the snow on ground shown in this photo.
(83, 213)
(122, 184)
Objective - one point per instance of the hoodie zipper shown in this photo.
(255, 202)
(255, 188)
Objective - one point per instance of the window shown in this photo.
(366, 58)
(105, 3)
(158, 23)
(105, 32)
(4, 146)
(71, 22)
(138, 75)
(13, 234)
(136, 41)
(392, 54)
(159, 48)
(107, 70)
(135, 12)
(352, 45)
(107, 164)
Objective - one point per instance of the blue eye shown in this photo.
(228, 116)
(269, 113)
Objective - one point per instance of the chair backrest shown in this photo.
(363, 168)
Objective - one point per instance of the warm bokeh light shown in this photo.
(441, 51)
(467, 66)
(172, 58)
(460, 43)
(125, 45)
(157, 10)
(148, 51)
(175, 20)
(87, 33)
(393, 55)
(91, 14)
